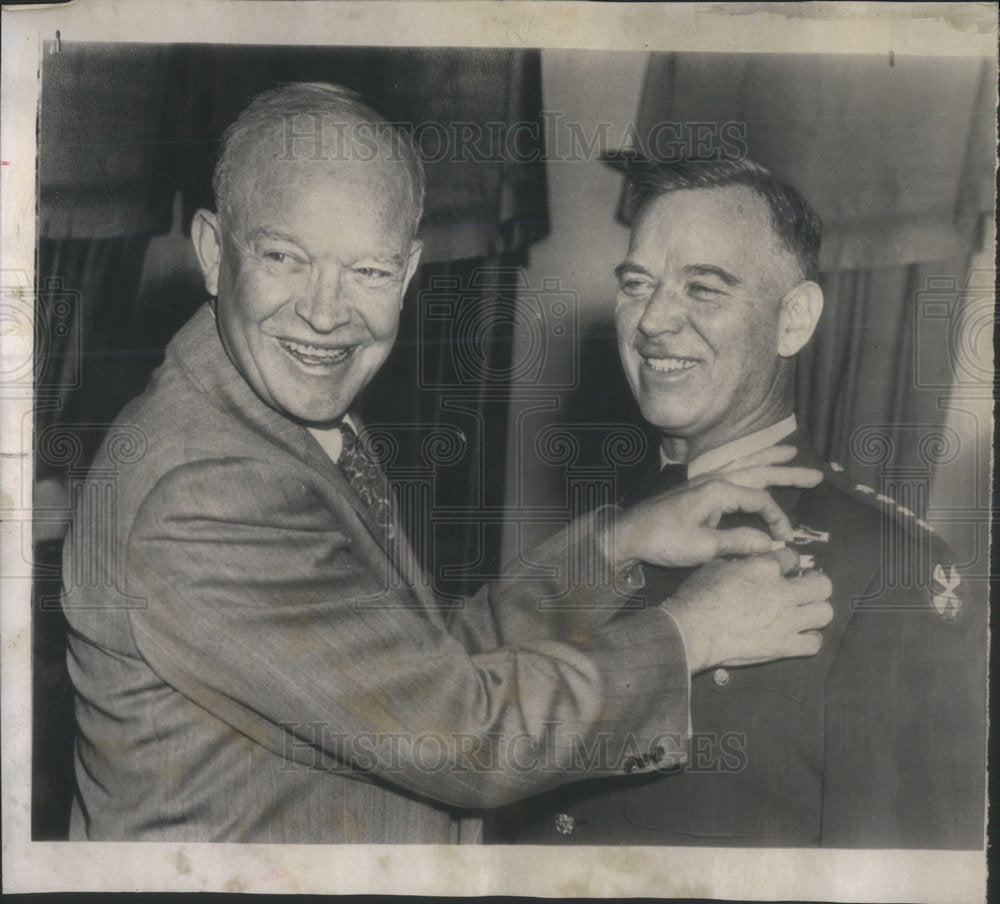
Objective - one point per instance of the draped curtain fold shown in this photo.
(861, 369)
(123, 127)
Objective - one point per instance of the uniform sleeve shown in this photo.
(906, 723)
(262, 606)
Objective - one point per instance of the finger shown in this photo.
(785, 476)
(773, 455)
(814, 616)
(776, 475)
(808, 643)
(743, 541)
(787, 559)
(812, 587)
(756, 502)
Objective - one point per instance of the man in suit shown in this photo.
(879, 740)
(254, 656)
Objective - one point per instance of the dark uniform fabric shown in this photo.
(877, 741)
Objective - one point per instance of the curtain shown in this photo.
(123, 127)
(437, 404)
(864, 392)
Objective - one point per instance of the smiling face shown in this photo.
(310, 279)
(699, 315)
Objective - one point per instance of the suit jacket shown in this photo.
(250, 665)
(877, 741)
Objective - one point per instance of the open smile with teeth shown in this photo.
(314, 355)
(669, 365)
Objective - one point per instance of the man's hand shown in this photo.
(764, 469)
(746, 612)
(681, 527)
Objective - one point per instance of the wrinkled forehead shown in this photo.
(729, 226)
(688, 208)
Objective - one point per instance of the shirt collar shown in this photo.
(738, 448)
(331, 439)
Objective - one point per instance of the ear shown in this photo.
(797, 319)
(206, 234)
(416, 247)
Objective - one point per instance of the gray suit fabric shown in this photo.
(250, 664)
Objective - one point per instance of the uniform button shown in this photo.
(721, 677)
(565, 824)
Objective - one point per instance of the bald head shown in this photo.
(305, 130)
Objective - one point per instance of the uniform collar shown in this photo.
(739, 448)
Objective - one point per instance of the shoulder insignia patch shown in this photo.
(565, 824)
(946, 601)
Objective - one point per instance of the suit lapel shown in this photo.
(200, 352)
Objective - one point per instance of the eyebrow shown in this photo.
(397, 260)
(629, 267)
(711, 270)
(262, 232)
(689, 270)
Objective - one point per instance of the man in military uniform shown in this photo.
(879, 741)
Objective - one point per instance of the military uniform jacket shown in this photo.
(877, 741)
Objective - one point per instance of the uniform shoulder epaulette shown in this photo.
(835, 474)
(943, 579)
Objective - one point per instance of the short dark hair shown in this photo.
(794, 222)
(269, 109)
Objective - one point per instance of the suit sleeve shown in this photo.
(262, 607)
(905, 755)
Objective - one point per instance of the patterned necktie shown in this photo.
(366, 479)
